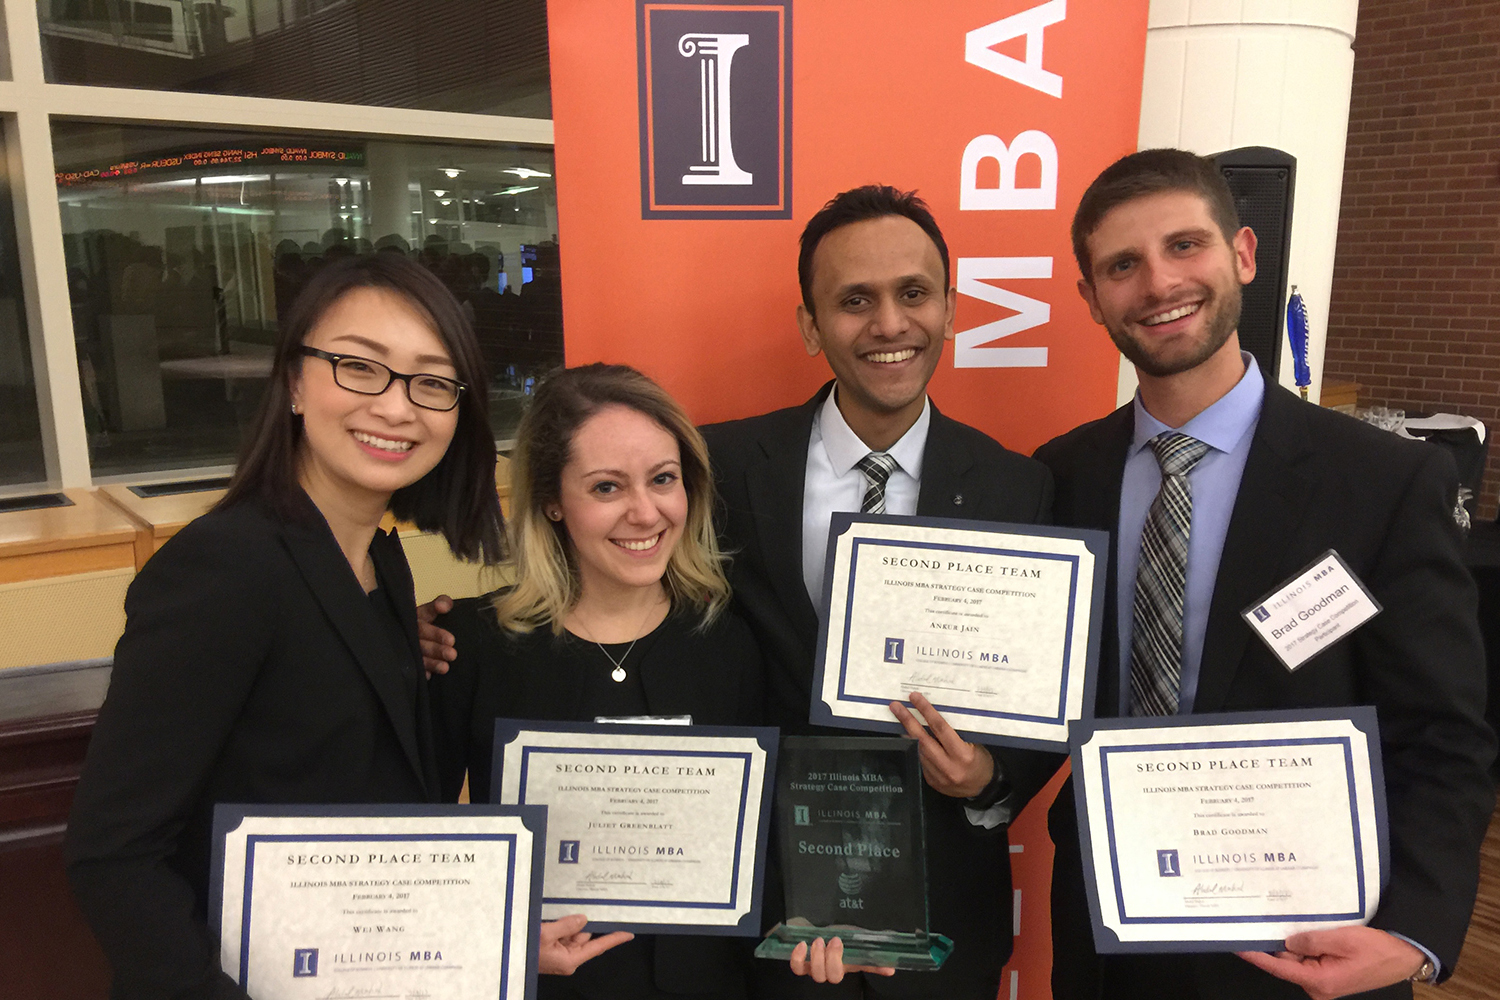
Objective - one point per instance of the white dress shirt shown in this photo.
(833, 483)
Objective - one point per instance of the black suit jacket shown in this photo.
(760, 464)
(1316, 480)
(252, 669)
(714, 675)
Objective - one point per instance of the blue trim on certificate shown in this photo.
(1057, 718)
(768, 739)
(1363, 718)
(255, 839)
(1114, 860)
(1096, 542)
(229, 817)
(739, 834)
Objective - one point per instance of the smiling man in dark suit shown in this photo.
(1219, 488)
(877, 303)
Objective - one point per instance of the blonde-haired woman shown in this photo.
(617, 609)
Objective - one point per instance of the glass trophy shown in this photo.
(853, 852)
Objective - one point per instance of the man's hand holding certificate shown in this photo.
(996, 624)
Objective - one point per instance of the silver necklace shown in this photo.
(618, 674)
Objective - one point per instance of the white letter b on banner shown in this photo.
(1006, 196)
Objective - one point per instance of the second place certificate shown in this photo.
(649, 828)
(1229, 832)
(996, 624)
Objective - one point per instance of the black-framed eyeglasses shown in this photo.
(371, 378)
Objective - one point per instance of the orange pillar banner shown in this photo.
(695, 139)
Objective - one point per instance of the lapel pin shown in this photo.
(958, 499)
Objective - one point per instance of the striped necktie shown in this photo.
(877, 467)
(1161, 578)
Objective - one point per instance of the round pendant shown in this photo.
(618, 674)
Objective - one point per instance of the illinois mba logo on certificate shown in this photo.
(304, 962)
(715, 109)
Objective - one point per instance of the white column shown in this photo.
(1221, 74)
(389, 201)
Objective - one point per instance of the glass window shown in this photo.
(184, 244)
(21, 457)
(479, 56)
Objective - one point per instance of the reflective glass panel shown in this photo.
(479, 56)
(21, 457)
(184, 245)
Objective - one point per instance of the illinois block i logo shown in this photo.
(715, 109)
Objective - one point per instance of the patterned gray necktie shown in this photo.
(1160, 579)
(877, 467)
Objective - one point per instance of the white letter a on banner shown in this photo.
(970, 348)
(979, 46)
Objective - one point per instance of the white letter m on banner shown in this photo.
(971, 348)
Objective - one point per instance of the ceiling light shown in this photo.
(432, 222)
(445, 201)
(438, 193)
(341, 181)
(235, 179)
(517, 189)
(452, 172)
(525, 173)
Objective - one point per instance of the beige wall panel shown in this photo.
(435, 571)
(62, 618)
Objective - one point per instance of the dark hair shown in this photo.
(1148, 172)
(457, 498)
(873, 201)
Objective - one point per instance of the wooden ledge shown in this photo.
(90, 535)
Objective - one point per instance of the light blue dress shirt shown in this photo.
(1227, 428)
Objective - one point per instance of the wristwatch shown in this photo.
(1425, 973)
(997, 790)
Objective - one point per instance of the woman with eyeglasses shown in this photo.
(270, 652)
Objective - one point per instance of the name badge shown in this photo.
(1311, 611)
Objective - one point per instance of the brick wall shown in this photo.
(1415, 316)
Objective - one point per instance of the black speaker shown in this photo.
(1263, 181)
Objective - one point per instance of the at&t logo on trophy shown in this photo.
(715, 110)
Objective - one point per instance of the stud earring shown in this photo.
(294, 409)
(555, 515)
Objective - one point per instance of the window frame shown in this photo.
(28, 103)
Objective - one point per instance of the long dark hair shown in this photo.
(457, 498)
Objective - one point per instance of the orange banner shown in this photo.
(999, 112)
(695, 139)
